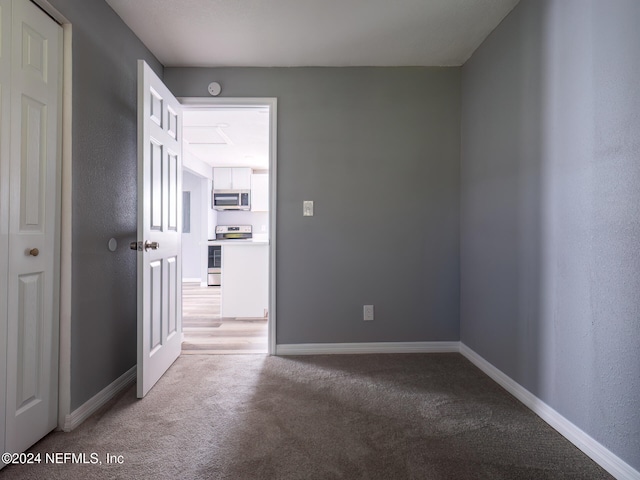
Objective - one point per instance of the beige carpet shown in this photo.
(320, 417)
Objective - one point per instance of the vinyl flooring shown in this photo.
(206, 332)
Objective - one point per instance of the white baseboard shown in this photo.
(192, 280)
(592, 448)
(80, 414)
(373, 347)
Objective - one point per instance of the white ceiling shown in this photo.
(312, 32)
(298, 33)
(228, 137)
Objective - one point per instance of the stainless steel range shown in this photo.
(231, 233)
(234, 232)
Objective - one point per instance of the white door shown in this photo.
(33, 246)
(159, 243)
(5, 122)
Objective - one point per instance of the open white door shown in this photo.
(158, 246)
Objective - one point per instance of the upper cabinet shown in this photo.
(260, 192)
(237, 178)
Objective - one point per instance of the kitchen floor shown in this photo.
(205, 332)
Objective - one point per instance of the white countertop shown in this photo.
(253, 242)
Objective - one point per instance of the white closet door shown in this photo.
(32, 347)
(5, 122)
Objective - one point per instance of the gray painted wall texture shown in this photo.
(377, 149)
(550, 234)
(103, 323)
(550, 185)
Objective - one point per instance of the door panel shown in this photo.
(172, 160)
(35, 54)
(30, 329)
(159, 182)
(32, 165)
(156, 186)
(34, 176)
(172, 309)
(155, 290)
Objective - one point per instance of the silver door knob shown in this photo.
(34, 252)
(146, 245)
(151, 245)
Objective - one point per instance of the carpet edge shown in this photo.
(582, 440)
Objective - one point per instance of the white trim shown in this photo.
(64, 373)
(51, 11)
(592, 448)
(64, 322)
(273, 203)
(272, 103)
(92, 405)
(206, 102)
(372, 347)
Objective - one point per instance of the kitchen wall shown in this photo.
(258, 220)
(550, 265)
(104, 199)
(194, 246)
(377, 149)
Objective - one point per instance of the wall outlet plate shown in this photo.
(367, 312)
(307, 208)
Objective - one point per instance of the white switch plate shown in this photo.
(368, 312)
(307, 208)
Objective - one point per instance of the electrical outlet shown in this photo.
(368, 312)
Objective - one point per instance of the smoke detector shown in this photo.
(214, 89)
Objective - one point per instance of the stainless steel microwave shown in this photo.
(232, 199)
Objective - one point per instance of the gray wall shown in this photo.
(550, 234)
(377, 149)
(103, 323)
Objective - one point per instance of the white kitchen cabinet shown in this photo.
(222, 179)
(241, 178)
(260, 192)
(236, 178)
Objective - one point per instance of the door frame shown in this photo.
(65, 219)
(193, 103)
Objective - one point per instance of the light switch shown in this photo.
(307, 208)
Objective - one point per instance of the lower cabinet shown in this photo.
(245, 280)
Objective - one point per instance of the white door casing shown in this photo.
(197, 103)
(159, 205)
(33, 245)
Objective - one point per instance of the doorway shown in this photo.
(233, 310)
